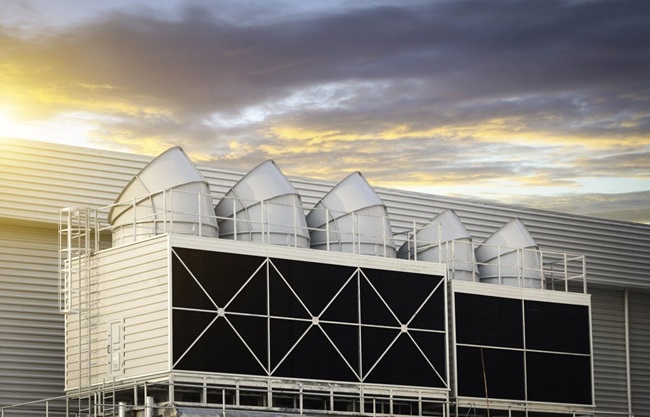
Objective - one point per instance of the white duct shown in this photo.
(443, 239)
(263, 207)
(510, 257)
(167, 195)
(352, 218)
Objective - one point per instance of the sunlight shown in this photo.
(64, 129)
(5, 122)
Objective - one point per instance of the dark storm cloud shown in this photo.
(459, 50)
(448, 91)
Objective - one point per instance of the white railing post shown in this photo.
(451, 259)
(198, 198)
(135, 220)
(234, 217)
(521, 266)
(475, 277)
(356, 240)
(327, 228)
(584, 274)
(415, 241)
(439, 240)
(262, 219)
(295, 224)
(165, 210)
(171, 211)
(268, 221)
(499, 278)
(541, 265)
(566, 274)
(383, 228)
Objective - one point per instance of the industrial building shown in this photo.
(139, 286)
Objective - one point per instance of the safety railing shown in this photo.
(521, 267)
(510, 409)
(359, 232)
(145, 399)
(49, 407)
(274, 395)
(259, 221)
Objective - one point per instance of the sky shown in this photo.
(541, 103)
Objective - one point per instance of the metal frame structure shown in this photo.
(316, 321)
(517, 407)
(80, 231)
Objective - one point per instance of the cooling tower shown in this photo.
(263, 207)
(443, 239)
(511, 257)
(352, 218)
(167, 195)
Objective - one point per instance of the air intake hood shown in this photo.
(511, 257)
(263, 207)
(352, 218)
(443, 239)
(167, 195)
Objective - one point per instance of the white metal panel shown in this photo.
(608, 316)
(639, 314)
(31, 330)
(130, 284)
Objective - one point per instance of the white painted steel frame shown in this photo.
(342, 259)
(315, 320)
(518, 293)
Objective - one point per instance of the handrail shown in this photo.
(555, 270)
(52, 406)
(387, 402)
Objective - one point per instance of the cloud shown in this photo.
(535, 94)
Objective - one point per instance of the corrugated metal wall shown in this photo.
(37, 179)
(31, 330)
(608, 318)
(639, 305)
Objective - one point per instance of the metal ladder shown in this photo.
(78, 240)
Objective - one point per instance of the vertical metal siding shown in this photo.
(31, 329)
(608, 317)
(639, 313)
